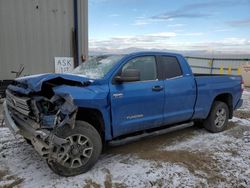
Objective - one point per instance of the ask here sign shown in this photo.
(64, 64)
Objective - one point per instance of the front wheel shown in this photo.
(218, 117)
(80, 153)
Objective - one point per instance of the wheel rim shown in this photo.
(76, 153)
(220, 117)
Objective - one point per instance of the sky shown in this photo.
(210, 25)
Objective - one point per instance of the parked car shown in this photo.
(68, 118)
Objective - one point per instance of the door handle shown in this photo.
(157, 88)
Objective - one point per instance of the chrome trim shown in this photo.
(176, 77)
(143, 81)
(17, 108)
(118, 95)
(148, 80)
(20, 104)
(8, 120)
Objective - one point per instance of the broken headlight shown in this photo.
(55, 112)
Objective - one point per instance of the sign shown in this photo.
(64, 64)
(246, 68)
(246, 74)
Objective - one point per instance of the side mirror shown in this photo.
(128, 75)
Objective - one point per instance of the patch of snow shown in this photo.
(127, 170)
(241, 121)
(246, 92)
(246, 101)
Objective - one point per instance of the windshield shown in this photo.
(97, 67)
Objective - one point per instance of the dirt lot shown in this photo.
(191, 157)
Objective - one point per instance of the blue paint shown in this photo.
(48, 121)
(34, 83)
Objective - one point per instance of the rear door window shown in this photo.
(169, 66)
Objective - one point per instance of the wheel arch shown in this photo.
(226, 98)
(94, 117)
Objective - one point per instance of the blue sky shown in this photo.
(222, 25)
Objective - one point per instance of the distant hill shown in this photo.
(195, 53)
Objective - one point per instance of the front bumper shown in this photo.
(41, 139)
(18, 124)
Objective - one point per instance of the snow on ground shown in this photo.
(1, 110)
(188, 158)
(246, 98)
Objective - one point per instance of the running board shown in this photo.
(150, 134)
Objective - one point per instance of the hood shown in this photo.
(34, 83)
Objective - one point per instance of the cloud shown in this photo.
(222, 30)
(171, 15)
(166, 40)
(234, 42)
(192, 34)
(232, 45)
(142, 41)
(199, 10)
(240, 23)
(176, 25)
(142, 20)
(187, 11)
(162, 34)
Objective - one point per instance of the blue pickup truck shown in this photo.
(68, 118)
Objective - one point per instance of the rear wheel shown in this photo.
(218, 117)
(80, 153)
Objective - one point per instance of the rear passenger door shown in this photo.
(180, 90)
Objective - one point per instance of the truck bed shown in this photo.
(211, 85)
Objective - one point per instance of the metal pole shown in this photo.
(76, 33)
(83, 30)
(212, 66)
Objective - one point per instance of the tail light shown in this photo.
(242, 85)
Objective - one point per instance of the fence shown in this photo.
(228, 66)
(217, 65)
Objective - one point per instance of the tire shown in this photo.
(83, 137)
(217, 119)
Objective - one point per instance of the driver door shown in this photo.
(137, 105)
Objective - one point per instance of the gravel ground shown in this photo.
(191, 158)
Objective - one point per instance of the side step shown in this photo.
(150, 134)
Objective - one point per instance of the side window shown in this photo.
(170, 67)
(145, 65)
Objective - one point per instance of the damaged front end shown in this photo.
(37, 119)
(56, 112)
